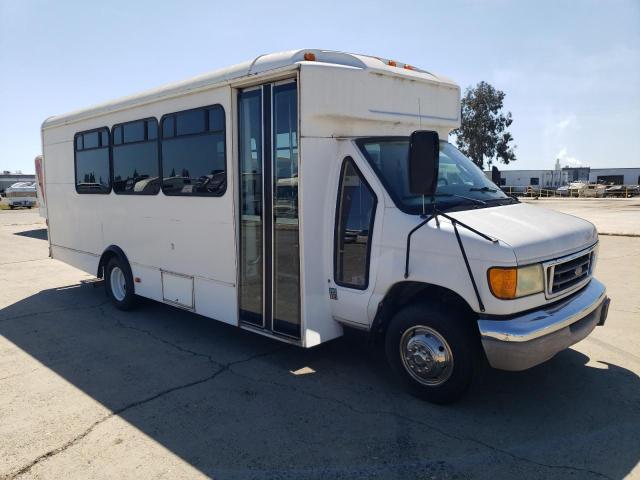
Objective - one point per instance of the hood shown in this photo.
(534, 233)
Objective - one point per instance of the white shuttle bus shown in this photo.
(307, 191)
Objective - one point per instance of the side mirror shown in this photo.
(424, 155)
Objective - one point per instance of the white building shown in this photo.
(551, 179)
(617, 176)
(536, 178)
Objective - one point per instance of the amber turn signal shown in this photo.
(503, 282)
(310, 57)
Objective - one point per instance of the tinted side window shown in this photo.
(136, 167)
(193, 152)
(91, 151)
(354, 225)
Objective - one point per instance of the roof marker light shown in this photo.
(392, 63)
(408, 67)
(310, 57)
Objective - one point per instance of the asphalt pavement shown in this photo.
(88, 392)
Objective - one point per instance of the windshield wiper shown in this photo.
(474, 200)
(483, 189)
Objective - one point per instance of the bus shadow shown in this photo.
(39, 234)
(237, 405)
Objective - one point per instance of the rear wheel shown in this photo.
(433, 351)
(119, 284)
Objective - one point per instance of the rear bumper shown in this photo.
(527, 340)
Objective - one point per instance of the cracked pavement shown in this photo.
(87, 391)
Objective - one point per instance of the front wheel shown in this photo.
(433, 351)
(119, 284)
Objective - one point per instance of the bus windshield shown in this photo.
(460, 181)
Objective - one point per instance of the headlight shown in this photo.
(513, 282)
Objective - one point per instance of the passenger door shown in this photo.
(269, 253)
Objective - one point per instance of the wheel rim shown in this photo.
(118, 284)
(426, 355)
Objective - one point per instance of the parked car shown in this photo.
(594, 190)
(21, 194)
(623, 191)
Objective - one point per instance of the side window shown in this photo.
(193, 152)
(136, 167)
(355, 214)
(91, 154)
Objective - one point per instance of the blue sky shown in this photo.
(570, 69)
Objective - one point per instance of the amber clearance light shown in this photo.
(503, 282)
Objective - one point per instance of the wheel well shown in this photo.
(405, 293)
(110, 252)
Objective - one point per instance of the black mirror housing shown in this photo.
(424, 156)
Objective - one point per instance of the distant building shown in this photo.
(562, 176)
(8, 179)
(577, 174)
(536, 178)
(616, 176)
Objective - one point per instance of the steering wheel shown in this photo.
(443, 180)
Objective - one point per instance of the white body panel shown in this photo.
(156, 232)
(183, 250)
(178, 290)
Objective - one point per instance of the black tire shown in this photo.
(12, 207)
(461, 340)
(122, 300)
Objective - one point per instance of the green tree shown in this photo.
(483, 134)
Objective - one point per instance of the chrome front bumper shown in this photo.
(527, 340)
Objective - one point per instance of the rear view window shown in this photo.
(193, 152)
(91, 151)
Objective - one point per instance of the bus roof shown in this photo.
(260, 64)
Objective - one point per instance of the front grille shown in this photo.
(564, 275)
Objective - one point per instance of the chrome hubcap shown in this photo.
(118, 284)
(426, 355)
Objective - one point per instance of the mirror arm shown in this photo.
(413, 230)
(466, 262)
(455, 224)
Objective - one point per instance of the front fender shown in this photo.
(436, 259)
